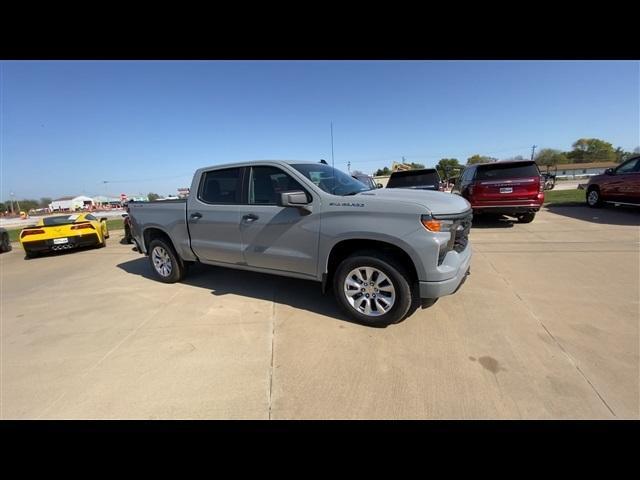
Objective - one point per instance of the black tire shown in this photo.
(593, 198)
(395, 272)
(5, 245)
(526, 217)
(127, 235)
(29, 254)
(177, 268)
(105, 226)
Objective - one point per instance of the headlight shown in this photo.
(434, 225)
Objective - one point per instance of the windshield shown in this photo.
(415, 179)
(497, 171)
(330, 179)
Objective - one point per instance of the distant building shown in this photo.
(71, 204)
(183, 192)
(571, 171)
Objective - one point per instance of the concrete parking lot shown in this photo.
(546, 327)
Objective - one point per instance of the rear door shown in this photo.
(213, 216)
(508, 183)
(278, 238)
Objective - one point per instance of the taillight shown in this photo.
(82, 226)
(31, 232)
(541, 187)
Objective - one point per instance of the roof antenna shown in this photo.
(333, 162)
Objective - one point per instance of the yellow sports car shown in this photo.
(64, 232)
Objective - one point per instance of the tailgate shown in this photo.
(507, 190)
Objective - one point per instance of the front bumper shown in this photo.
(48, 245)
(448, 286)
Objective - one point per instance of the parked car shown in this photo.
(5, 243)
(620, 185)
(64, 232)
(367, 180)
(385, 252)
(511, 188)
(422, 179)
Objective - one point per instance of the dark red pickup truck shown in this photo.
(509, 188)
(620, 185)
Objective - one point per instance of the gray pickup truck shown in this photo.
(385, 252)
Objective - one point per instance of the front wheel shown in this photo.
(373, 290)
(593, 198)
(164, 262)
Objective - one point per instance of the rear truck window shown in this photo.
(414, 179)
(497, 171)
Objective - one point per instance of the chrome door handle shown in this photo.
(250, 217)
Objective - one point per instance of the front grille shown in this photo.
(461, 237)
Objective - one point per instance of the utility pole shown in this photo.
(533, 149)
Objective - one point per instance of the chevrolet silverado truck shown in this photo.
(384, 252)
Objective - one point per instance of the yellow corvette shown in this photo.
(64, 232)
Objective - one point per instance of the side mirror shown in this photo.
(378, 185)
(609, 171)
(125, 215)
(103, 219)
(293, 199)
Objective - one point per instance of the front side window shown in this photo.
(267, 183)
(221, 186)
(629, 167)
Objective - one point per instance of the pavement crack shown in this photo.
(577, 367)
(555, 340)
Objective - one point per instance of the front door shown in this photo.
(273, 237)
(213, 216)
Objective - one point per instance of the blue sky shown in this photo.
(66, 127)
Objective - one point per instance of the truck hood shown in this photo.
(438, 203)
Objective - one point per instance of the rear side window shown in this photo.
(221, 186)
(497, 171)
(414, 179)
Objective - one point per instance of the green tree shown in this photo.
(480, 159)
(3, 207)
(382, 171)
(416, 166)
(153, 196)
(26, 204)
(448, 167)
(622, 156)
(44, 202)
(550, 157)
(586, 150)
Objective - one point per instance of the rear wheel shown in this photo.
(164, 261)
(526, 217)
(374, 291)
(593, 197)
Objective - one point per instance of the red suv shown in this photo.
(617, 185)
(508, 188)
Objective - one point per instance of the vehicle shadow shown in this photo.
(299, 294)
(492, 221)
(606, 215)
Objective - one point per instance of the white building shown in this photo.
(71, 204)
